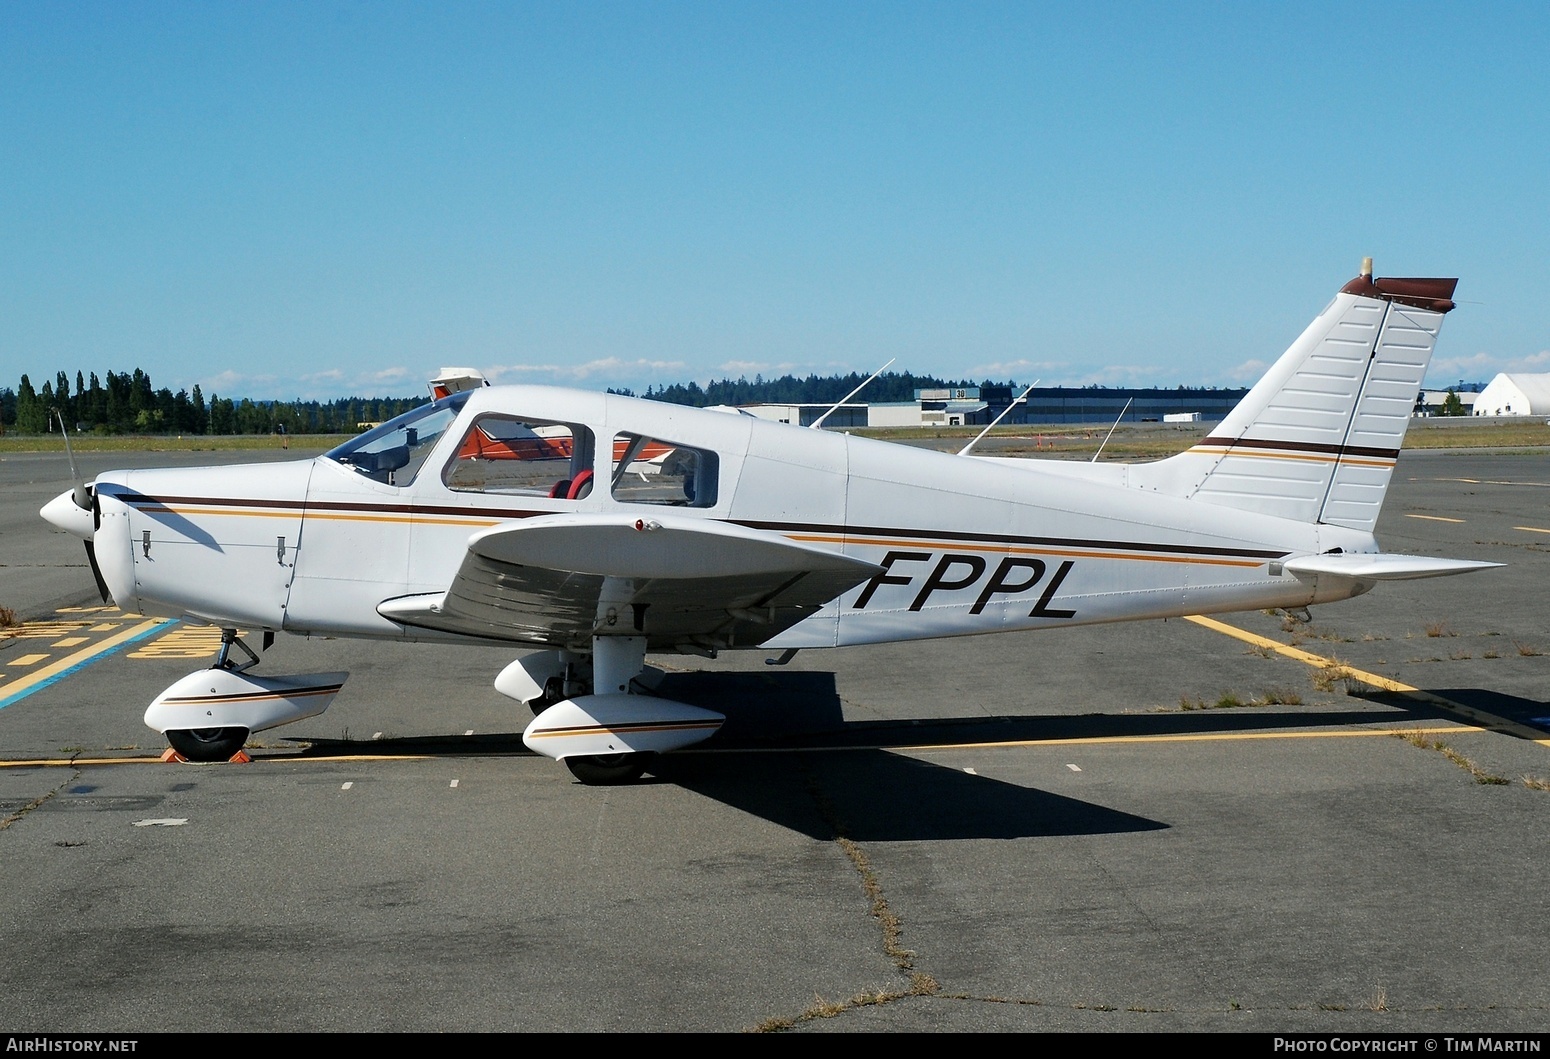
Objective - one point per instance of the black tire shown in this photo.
(608, 770)
(207, 744)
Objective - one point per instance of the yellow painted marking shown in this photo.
(42, 630)
(86, 610)
(1500, 724)
(84, 653)
(1435, 518)
(68, 762)
(107, 626)
(1202, 737)
(71, 641)
(1531, 529)
(1106, 740)
(182, 643)
(26, 660)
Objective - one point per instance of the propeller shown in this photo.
(86, 499)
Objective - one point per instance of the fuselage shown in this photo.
(963, 545)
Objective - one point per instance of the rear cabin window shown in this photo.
(522, 457)
(655, 471)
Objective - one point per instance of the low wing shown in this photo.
(683, 583)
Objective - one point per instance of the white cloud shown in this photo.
(1120, 375)
(744, 367)
(1043, 370)
(613, 370)
(1247, 373)
(236, 383)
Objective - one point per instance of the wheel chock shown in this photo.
(170, 755)
(239, 758)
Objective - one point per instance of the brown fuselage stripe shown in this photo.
(637, 728)
(881, 536)
(254, 696)
(1301, 446)
(1243, 454)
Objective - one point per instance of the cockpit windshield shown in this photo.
(393, 452)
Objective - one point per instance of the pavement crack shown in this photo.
(11, 818)
(918, 983)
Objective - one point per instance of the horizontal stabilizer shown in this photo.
(1381, 567)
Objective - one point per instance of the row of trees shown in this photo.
(788, 389)
(126, 403)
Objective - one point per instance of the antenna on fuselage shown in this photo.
(1024, 396)
(1110, 434)
(815, 424)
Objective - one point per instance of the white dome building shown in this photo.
(1514, 395)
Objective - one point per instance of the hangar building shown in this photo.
(1515, 395)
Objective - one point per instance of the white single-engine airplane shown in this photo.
(604, 528)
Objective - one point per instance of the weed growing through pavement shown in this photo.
(1480, 775)
(1228, 701)
(1332, 676)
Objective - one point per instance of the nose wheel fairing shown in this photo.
(206, 709)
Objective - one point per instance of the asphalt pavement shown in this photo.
(1161, 826)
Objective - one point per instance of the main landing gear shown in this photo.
(605, 731)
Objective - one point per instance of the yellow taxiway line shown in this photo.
(1198, 737)
(68, 762)
(1342, 671)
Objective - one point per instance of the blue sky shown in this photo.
(325, 199)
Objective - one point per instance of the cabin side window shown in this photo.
(655, 471)
(514, 456)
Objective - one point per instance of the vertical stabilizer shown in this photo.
(1316, 439)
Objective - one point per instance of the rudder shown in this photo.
(1317, 437)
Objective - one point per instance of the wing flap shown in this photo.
(680, 582)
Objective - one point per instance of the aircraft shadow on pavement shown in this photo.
(824, 776)
(803, 710)
(1511, 707)
(877, 796)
